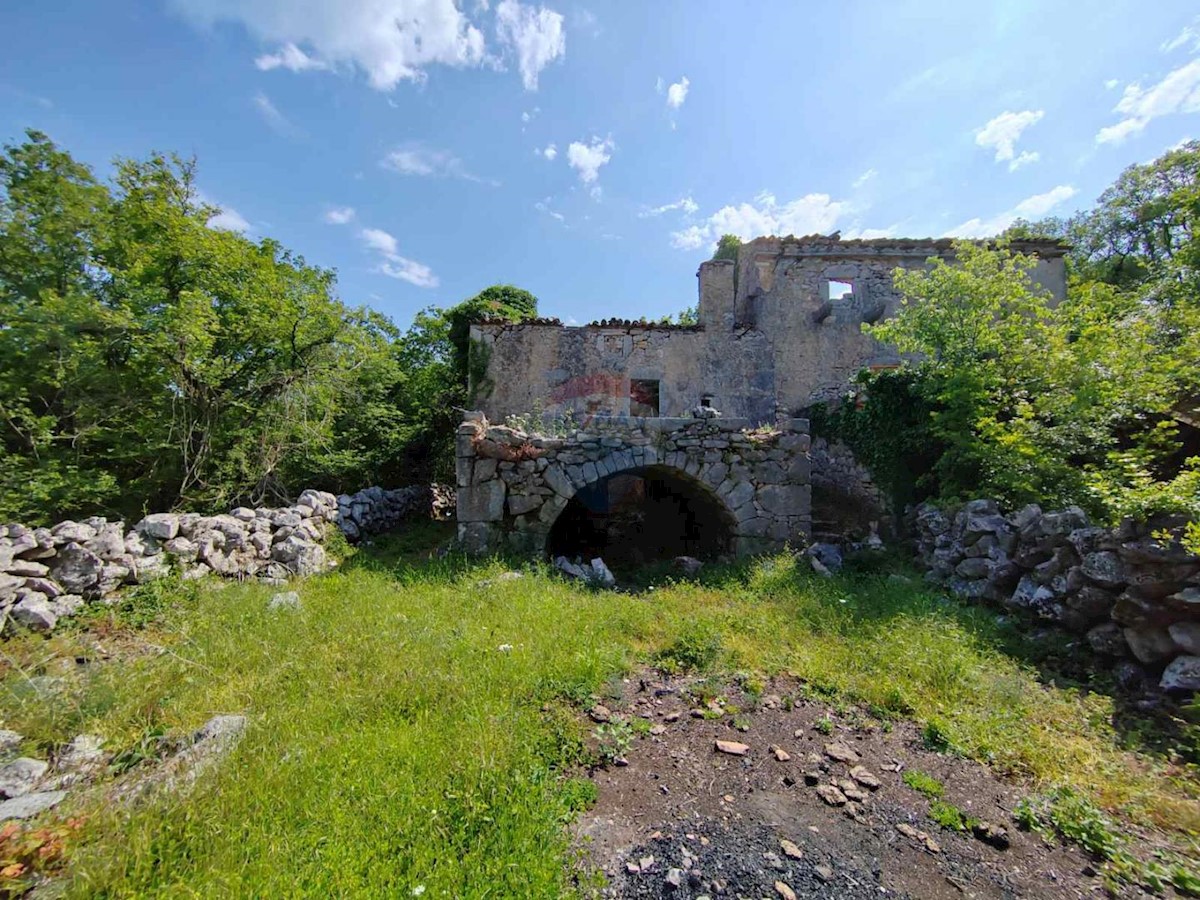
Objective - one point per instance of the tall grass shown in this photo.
(411, 725)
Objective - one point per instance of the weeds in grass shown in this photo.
(924, 784)
(1066, 813)
(951, 817)
(824, 725)
(694, 650)
(613, 740)
(27, 855)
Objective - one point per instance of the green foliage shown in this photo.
(923, 783)
(1065, 812)
(727, 247)
(148, 360)
(951, 817)
(613, 740)
(696, 649)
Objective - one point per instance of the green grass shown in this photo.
(924, 784)
(393, 744)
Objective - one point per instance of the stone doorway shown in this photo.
(642, 516)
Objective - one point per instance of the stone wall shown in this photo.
(845, 498)
(1131, 592)
(512, 486)
(769, 337)
(47, 574)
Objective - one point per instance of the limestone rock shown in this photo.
(161, 526)
(76, 568)
(733, 748)
(284, 600)
(841, 752)
(29, 805)
(1150, 644)
(1182, 675)
(35, 613)
(20, 776)
(1186, 636)
(831, 795)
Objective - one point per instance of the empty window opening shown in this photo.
(643, 397)
(839, 290)
(642, 516)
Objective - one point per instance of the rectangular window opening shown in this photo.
(643, 397)
(839, 289)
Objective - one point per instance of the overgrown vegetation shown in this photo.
(1093, 402)
(149, 360)
(418, 723)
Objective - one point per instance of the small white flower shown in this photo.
(418, 890)
(505, 648)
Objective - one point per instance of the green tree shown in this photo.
(727, 247)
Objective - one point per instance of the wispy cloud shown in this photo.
(864, 178)
(1002, 133)
(290, 57)
(543, 206)
(422, 161)
(339, 215)
(549, 152)
(277, 121)
(392, 264)
(1178, 92)
(1189, 35)
(1034, 207)
(226, 218)
(536, 36)
(686, 205)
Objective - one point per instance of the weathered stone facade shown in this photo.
(778, 330)
(513, 486)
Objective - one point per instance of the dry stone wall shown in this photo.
(512, 486)
(48, 574)
(1131, 591)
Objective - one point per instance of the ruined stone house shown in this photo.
(779, 329)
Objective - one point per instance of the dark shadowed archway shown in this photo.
(642, 515)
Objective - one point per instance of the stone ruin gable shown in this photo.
(512, 486)
(782, 289)
(589, 370)
(769, 337)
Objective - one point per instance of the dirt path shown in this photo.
(684, 820)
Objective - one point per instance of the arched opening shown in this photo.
(641, 516)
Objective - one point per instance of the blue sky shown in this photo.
(593, 151)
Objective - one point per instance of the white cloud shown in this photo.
(659, 85)
(389, 40)
(1002, 133)
(289, 57)
(871, 234)
(1189, 35)
(339, 215)
(535, 35)
(416, 159)
(686, 205)
(550, 152)
(1111, 84)
(1178, 92)
(812, 213)
(587, 159)
(864, 178)
(1025, 158)
(544, 206)
(392, 263)
(273, 117)
(677, 93)
(229, 219)
(1034, 207)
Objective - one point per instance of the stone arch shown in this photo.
(643, 513)
(753, 481)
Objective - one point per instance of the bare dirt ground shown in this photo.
(682, 819)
